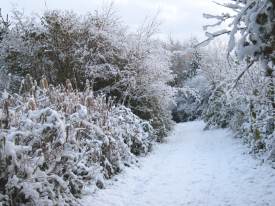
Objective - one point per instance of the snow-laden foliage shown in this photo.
(188, 103)
(185, 64)
(63, 45)
(148, 94)
(225, 94)
(252, 38)
(253, 21)
(226, 101)
(185, 60)
(54, 141)
(133, 68)
(244, 109)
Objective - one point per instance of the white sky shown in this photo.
(181, 19)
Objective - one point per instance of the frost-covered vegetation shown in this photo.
(234, 84)
(185, 64)
(248, 105)
(80, 98)
(243, 104)
(132, 67)
(57, 141)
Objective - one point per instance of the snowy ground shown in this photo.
(195, 168)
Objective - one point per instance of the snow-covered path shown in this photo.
(195, 168)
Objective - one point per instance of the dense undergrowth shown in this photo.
(57, 141)
(80, 99)
(214, 95)
(105, 95)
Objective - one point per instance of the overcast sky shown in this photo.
(181, 19)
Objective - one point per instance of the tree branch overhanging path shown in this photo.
(195, 168)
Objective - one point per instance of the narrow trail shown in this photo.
(194, 168)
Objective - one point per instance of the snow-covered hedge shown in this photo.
(132, 67)
(240, 104)
(250, 108)
(226, 94)
(188, 103)
(56, 141)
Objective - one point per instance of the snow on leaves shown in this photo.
(50, 152)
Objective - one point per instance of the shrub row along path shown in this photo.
(194, 168)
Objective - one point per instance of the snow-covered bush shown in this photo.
(132, 68)
(55, 141)
(185, 60)
(188, 103)
(185, 64)
(63, 45)
(241, 104)
(147, 78)
(244, 109)
(252, 36)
